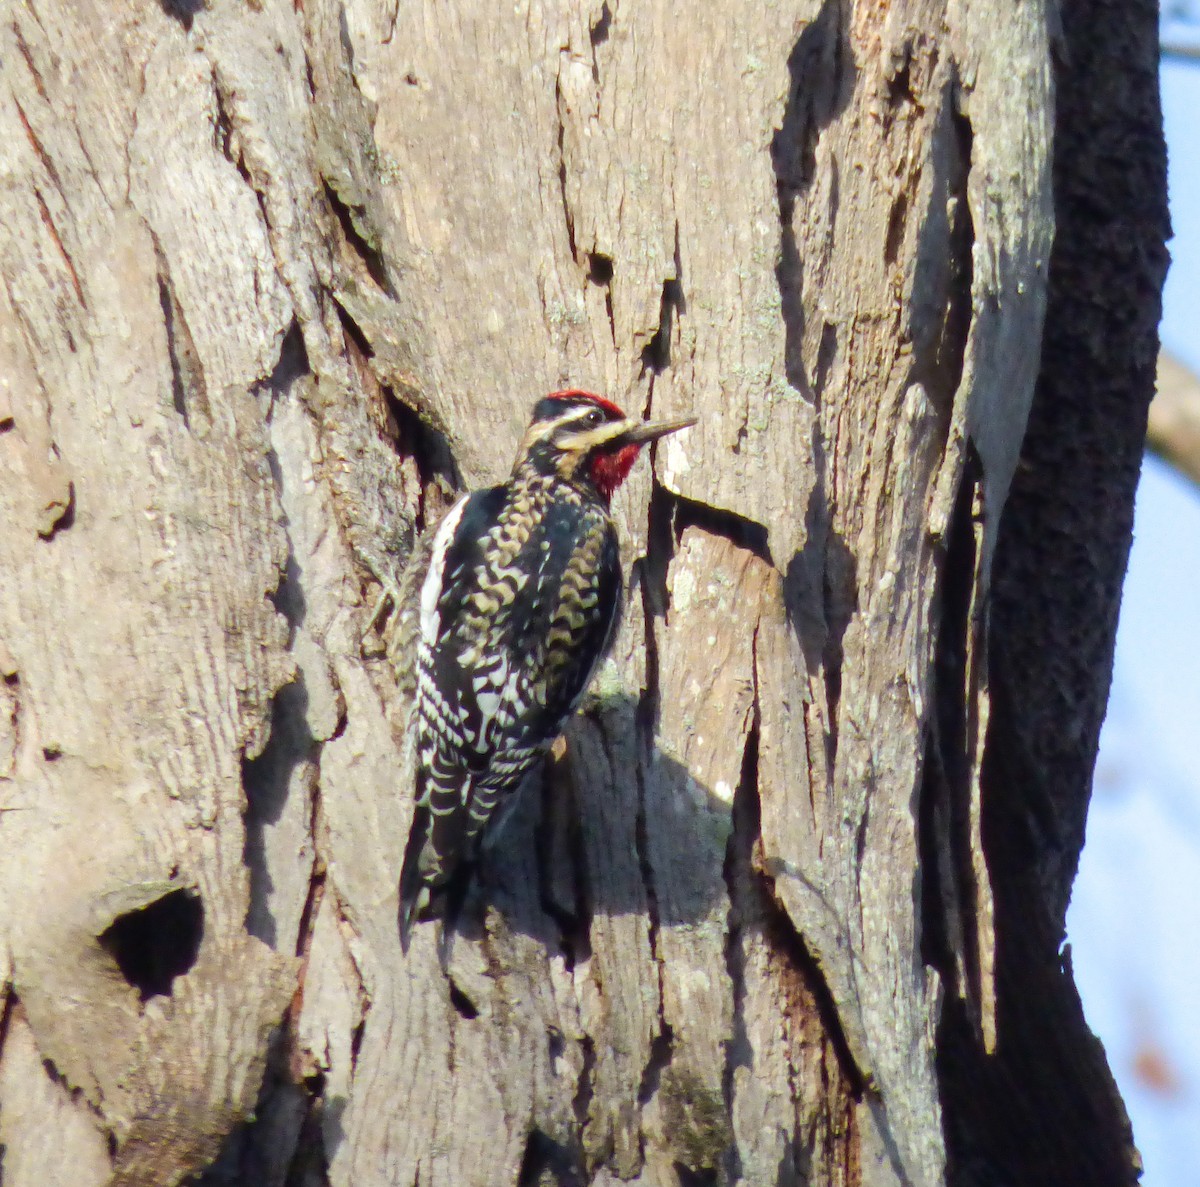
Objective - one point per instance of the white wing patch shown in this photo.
(434, 579)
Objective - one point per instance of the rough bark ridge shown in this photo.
(277, 279)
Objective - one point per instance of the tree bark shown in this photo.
(281, 277)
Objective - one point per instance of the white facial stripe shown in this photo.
(574, 419)
(587, 439)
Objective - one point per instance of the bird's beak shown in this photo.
(641, 432)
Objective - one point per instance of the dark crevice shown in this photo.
(312, 902)
(7, 423)
(463, 1005)
(582, 1101)
(770, 913)
(356, 1041)
(352, 220)
(662, 1051)
(652, 569)
(429, 449)
(600, 272)
(600, 268)
(561, 155)
(411, 435)
(291, 365)
(187, 373)
(897, 220)
(353, 330)
(784, 938)
(944, 817)
(899, 82)
(224, 137)
(838, 574)
(953, 351)
(646, 707)
(945, 260)
(309, 78)
(184, 11)
(826, 353)
(603, 24)
(744, 913)
(156, 943)
(656, 354)
(6, 1014)
(178, 392)
(754, 902)
(281, 1140)
(942, 373)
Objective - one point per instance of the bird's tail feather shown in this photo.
(415, 896)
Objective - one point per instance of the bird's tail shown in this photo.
(415, 893)
(427, 889)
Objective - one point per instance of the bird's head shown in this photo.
(583, 437)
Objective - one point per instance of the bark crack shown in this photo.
(656, 354)
(600, 272)
(950, 940)
(60, 247)
(360, 237)
(25, 52)
(744, 913)
(561, 156)
(187, 371)
(34, 140)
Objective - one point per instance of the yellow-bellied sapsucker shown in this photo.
(509, 606)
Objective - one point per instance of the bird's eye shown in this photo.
(594, 418)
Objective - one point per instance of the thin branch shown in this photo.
(1174, 429)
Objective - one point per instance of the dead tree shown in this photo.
(278, 278)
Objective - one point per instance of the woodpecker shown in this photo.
(509, 606)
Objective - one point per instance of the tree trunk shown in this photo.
(280, 277)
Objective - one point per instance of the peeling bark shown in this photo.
(279, 280)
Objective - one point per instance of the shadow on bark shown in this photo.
(620, 827)
(822, 73)
(616, 827)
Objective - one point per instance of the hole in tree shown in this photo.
(600, 268)
(599, 31)
(184, 11)
(155, 944)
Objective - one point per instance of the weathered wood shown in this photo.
(277, 278)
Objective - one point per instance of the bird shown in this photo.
(506, 609)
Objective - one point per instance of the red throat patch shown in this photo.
(609, 470)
